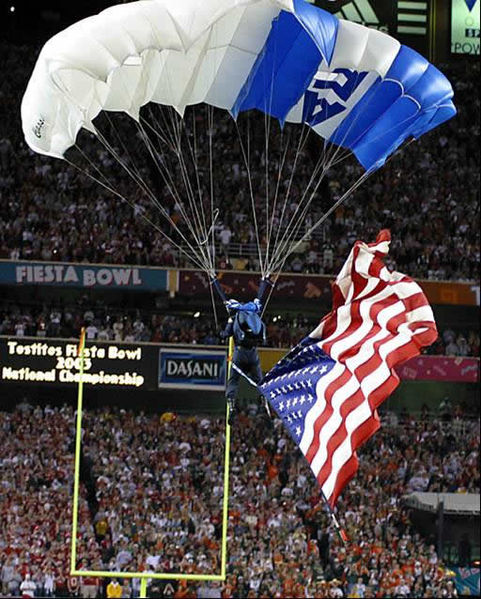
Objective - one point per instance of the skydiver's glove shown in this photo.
(232, 305)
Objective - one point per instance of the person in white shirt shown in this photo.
(49, 583)
(28, 587)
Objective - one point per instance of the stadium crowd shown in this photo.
(151, 500)
(105, 324)
(427, 195)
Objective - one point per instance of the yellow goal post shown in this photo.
(145, 576)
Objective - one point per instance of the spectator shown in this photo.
(28, 587)
(114, 589)
(446, 409)
(7, 574)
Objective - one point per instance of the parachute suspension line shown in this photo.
(106, 185)
(267, 132)
(197, 207)
(281, 163)
(332, 154)
(279, 265)
(164, 169)
(267, 300)
(299, 148)
(208, 226)
(141, 183)
(170, 184)
(297, 218)
(197, 234)
(341, 158)
(213, 214)
(253, 204)
(195, 222)
(301, 211)
(214, 307)
(267, 129)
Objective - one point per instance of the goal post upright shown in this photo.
(145, 576)
(78, 441)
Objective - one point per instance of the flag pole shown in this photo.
(340, 531)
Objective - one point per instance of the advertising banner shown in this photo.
(465, 26)
(195, 369)
(83, 275)
(149, 366)
(420, 368)
(467, 581)
(55, 362)
(440, 368)
(244, 285)
(144, 366)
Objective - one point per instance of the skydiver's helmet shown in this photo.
(250, 325)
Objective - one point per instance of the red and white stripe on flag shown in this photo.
(379, 319)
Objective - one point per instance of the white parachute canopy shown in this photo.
(359, 90)
(163, 51)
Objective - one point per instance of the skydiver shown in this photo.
(246, 326)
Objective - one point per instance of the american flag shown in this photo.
(328, 388)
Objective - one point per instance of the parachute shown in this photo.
(361, 91)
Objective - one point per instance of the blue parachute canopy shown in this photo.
(354, 86)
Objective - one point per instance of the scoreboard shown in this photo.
(142, 366)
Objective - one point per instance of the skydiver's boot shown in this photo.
(232, 410)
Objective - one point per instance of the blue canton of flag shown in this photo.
(291, 385)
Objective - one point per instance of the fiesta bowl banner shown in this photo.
(238, 284)
(195, 369)
(83, 275)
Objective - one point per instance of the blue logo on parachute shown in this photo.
(317, 107)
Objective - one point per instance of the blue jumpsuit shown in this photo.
(248, 330)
